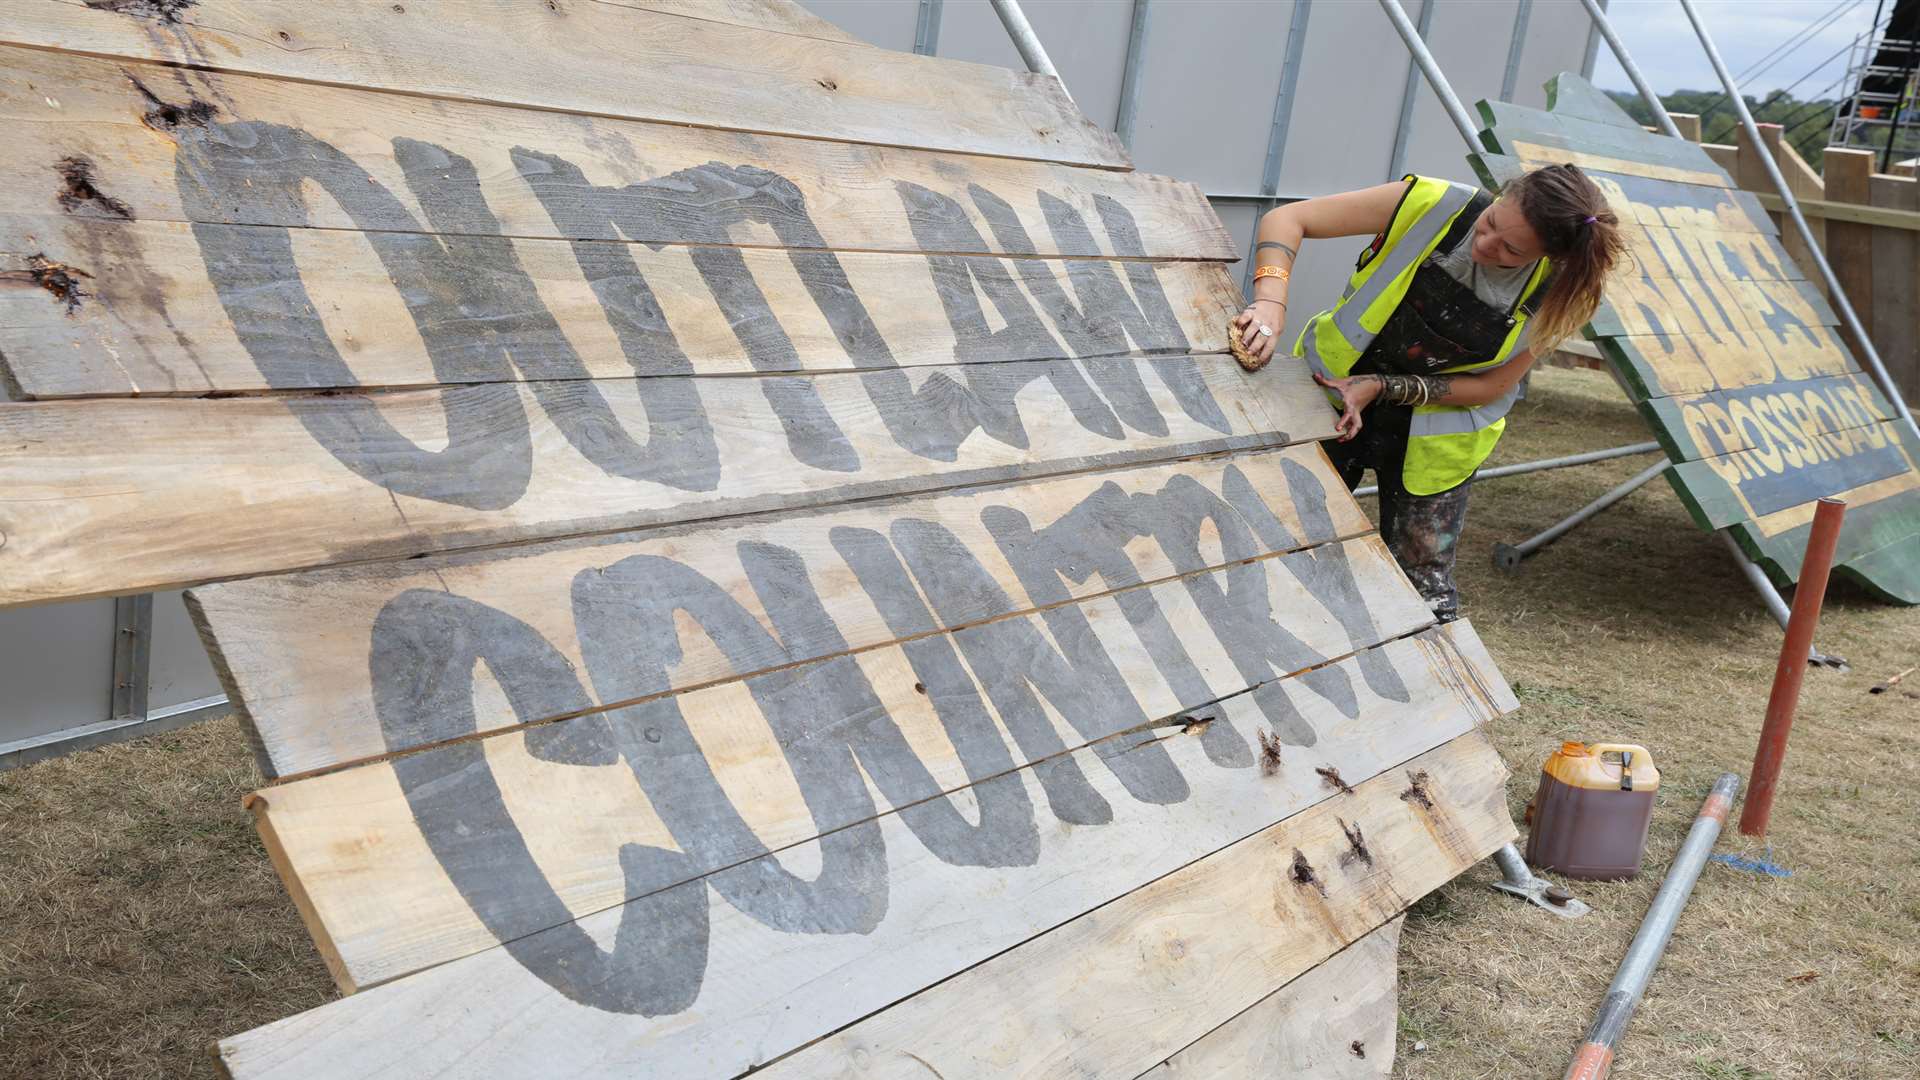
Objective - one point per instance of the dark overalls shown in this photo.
(1440, 324)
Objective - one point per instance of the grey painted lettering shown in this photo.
(424, 648)
(1013, 660)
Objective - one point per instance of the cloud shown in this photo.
(1662, 42)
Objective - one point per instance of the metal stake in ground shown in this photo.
(1792, 668)
(1595, 1057)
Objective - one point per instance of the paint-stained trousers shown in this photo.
(1422, 531)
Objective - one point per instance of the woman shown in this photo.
(1444, 313)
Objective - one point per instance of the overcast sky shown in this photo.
(1662, 42)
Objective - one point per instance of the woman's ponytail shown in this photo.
(1581, 236)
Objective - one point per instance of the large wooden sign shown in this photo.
(1730, 353)
(740, 551)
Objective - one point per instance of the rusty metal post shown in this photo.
(1792, 668)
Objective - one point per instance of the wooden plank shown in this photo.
(1896, 266)
(255, 485)
(237, 149)
(1601, 146)
(325, 310)
(768, 991)
(1188, 951)
(1801, 422)
(1336, 1022)
(1879, 546)
(1571, 97)
(598, 59)
(1787, 318)
(1764, 490)
(385, 895)
(1819, 212)
(293, 649)
(1659, 365)
(781, 16)
(1657, 251)
(1849, 247)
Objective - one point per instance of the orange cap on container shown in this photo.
(1573, 749)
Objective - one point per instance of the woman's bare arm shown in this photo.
(1351, 213)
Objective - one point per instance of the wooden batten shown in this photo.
(294, 648)
(599, 60)
(1336, 1022)
(91, 483)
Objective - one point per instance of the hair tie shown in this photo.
(1591, 218)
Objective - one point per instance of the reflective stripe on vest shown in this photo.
(1446, 443)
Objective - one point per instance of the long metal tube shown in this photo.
(1025, 41)
(1523, 467)
(1792, 205)
(1792, 668)
(1595, 1057)
(1508, 556)
(1133, 75)
(1632, 69)
(1431, 69)
(1758, 577)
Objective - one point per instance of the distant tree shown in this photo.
(1807, 123)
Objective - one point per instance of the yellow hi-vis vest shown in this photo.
(1446, 442)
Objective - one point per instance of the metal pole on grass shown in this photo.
(1847, 315)
(1025, 41)
(1508, 556)
(1770, 596)
(1632, 69)
(1595, 1057)
(1792, 668)
(1524, 467)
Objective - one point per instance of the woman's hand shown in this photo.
(1356, 393)
(1249, 323)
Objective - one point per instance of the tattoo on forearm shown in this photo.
(1414, 389)
(1265, 244)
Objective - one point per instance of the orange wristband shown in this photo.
(1272, 271)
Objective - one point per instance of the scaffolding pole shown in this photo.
(1632, 69)
(1026, 42)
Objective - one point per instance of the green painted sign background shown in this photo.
(1727, 349)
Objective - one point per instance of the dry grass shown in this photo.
(1638, 628)
(140, 920)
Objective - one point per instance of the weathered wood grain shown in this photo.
(293, 649)
(1336, 1022)
(1596, 139)
(1661, 252)
(1661, 365)
(111, 140)
(782, 16)
(1193, 949)
(1763, 489)
(1896, 264)
(1782, 313)
(152, 320)
(767, 991)
(1846, 175)
(116, 495)
(1802, 422)
(359, 846)
(599, 59)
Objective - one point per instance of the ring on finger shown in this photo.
(1265, 330)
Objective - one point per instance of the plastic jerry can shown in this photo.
(1589, 818)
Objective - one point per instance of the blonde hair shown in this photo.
(1581, 236)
